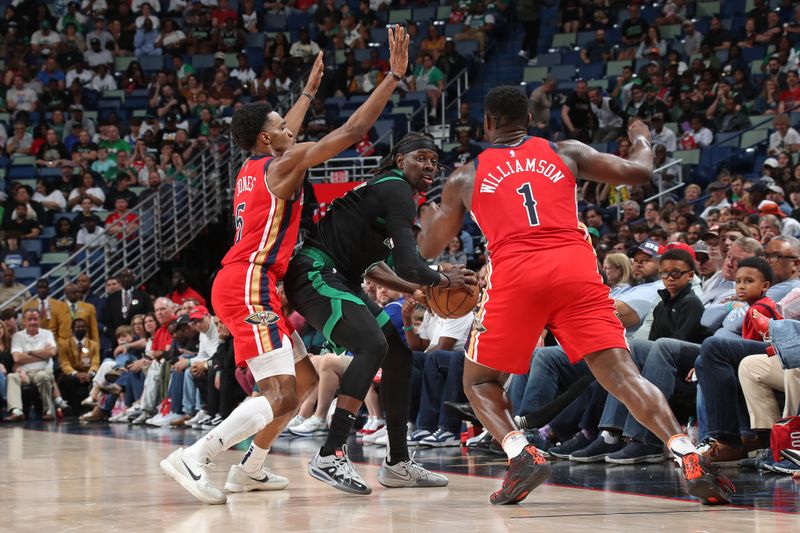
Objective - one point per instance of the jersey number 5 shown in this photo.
(529, 203)
(239, 221)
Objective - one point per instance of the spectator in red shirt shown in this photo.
(753, 277)
(162, 338)
(181, 291)
(122, 222)
(222, 13)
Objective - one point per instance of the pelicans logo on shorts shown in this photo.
(262, 318)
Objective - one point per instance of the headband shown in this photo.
(417, 144)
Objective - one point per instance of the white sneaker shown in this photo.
(168, 420)
(373, 438)
(192, 475)
(134, 409)
(292, 423)
(155, 420)
(201, 414)
(241, 481)
(143, 417)
(119, 418)
(89, 402)
(310, 427)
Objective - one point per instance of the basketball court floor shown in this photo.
(68, 477)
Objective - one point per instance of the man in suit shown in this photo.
(80, 358)
(83, 310)
(122, 305)
(54, 313)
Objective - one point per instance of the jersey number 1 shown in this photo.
(529, 203)
(239, 221)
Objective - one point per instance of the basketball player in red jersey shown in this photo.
(267, 205)
(542, 272)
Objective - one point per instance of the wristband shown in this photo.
(395, 75)
(408, 328)
(310, 98)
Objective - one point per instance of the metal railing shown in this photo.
(662, 192)
(461, 83)
(165, 222)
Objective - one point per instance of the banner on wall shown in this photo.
(328, 192)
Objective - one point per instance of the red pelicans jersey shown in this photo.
(245, 293)
(266, 226)
(541, 270)
(524, 199)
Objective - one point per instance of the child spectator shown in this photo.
(13, 256)
(753, 277)
(677, 315)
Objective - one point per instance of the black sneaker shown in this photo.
(704, 481)
(596, 452)
(762, 461)
(576, 443)
(337, 471)
(637, 452)
(525, 472)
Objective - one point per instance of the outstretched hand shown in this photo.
(315, 77)
(398, 50)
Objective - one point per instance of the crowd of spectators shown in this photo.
(166, 361)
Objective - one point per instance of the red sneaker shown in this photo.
(525, 472)
(704, 481)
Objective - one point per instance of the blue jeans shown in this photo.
(132, 384)
(666, 361)
(615, 414)
(442, 381)
(717, 370)
(550, 372)
(583, 413)
(192, 401)
(175, 391)
(3, 384)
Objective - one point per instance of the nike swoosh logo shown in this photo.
(262, 480)
(194, 476)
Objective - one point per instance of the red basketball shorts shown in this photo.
(559, 289)
(245, 297)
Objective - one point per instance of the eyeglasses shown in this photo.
(674, 274)
(774, 258)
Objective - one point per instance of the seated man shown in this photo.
(32, 348)
(79, 357)
(443, 340)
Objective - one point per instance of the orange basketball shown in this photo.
(451, 303)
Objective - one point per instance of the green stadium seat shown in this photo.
(761, 122)
(614, 68)
(670, 31)
(534, 74)
(561, 40)
(399, 16)
(708, 9)
(688, 157)
(753, 137)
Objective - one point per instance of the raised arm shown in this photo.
(294, 117)
(290, 168)
(441, 223)
(588, 163)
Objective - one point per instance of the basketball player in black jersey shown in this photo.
(370, 224)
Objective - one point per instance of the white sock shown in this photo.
(514, 443)
(253, 460)
(608, 438)
(681, 445)
(59, 400)
(246, 420)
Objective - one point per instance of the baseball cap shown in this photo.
(716, 186)
(198, 312)
(681, 246)
(700, 247)
(594, 233)
(76, 107)
(770, 208)
(771, 162)
(182, 320)
(711, 233)
(651, 248)
(775, 188)
(219, 55)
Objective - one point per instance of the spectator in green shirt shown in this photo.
(113, 144)
(429, 78)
